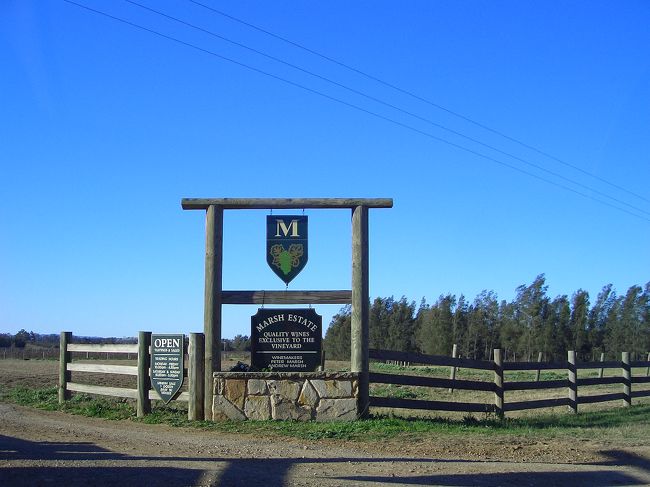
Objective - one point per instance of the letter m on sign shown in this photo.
(286, 245)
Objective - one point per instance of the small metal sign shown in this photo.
(286, 245)
(286, 340)
(167, 353)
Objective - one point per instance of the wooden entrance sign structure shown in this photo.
(215, 297)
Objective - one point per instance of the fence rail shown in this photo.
(537, 404)
(103, 368)
(143, 394)
(500, 385)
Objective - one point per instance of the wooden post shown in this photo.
(573, 384)
(212, 300)
(647, 370)
(627, 378)
(452, 371)
(196, 373)
(539, 371)
(144, 378)
(359, 359)
(498, 383)
(602, 359)
(64, 359)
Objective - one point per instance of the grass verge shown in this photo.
(609, 425)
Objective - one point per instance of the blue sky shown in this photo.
(105, 127)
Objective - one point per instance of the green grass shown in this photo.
(624, 424)
(400, 392)
(38, 398)
(81, 404)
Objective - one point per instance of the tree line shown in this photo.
(531, 323)
(24, 337)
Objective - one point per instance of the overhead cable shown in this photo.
(351, 105)
(422, 99)
(389, 105)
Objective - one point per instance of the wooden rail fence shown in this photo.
(143, 394)
(499, 386)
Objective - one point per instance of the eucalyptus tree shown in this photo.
(400, 324)
(435, 326)
(580, 341)
(531, 305)
(337, 337)
(378, 329)
(598, 317)
(631, 323)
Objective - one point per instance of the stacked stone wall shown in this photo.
(320, 396)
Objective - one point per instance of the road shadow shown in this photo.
(620, 457)
(99, 476)
(80, 468)
(506, 479)
(17, 449)
(81, 453)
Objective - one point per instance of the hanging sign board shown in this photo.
(286, 245)
(286, 340)
(167, 355)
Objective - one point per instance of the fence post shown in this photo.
(539, 372)
(64, 358)
(452, 372)
(573, 384)
(498, 383)
(647, 370)
(627, 378)
(602, 359)
(144, 379)
(195, 409)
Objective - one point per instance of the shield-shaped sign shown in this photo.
(167, 353)
(286, 245)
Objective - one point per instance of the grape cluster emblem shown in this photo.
(286, 260)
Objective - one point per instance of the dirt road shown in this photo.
(51, 448)
(42, 448)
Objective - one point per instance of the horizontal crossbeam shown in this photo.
(281, 203)
(286, 297)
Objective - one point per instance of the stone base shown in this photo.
(301, 396)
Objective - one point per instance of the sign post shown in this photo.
(286, 262)
(286, 340)
(167, 353)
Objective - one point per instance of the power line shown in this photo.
(422, 99)
(351, 105)
(389, 105)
